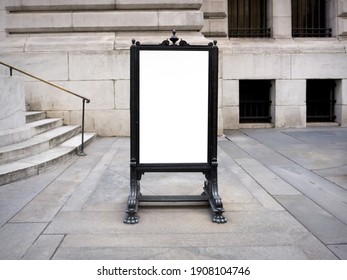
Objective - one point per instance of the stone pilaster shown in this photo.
(289, 103)
(341, 19)
(215, 18)
(2, 20)
(341, 102)
(230, 103)
(279, 18)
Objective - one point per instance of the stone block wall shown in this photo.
(289, 72)
(83, 45)
(287, 62)
(102, 76)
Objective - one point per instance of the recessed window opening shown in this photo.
(255, 101)
(309, 19)
(247, 18)
(320, 100)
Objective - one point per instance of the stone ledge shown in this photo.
(58, 5)
(83, 5)
(163, 4)
(88, 41)
(104, 21)
(256, 125)
(322, 124)
(38, 22)
(282, 45)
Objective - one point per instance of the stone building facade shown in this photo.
(269, 75)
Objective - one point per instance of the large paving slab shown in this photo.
(165, 220)
(44, 247)
(14, 196)
(277, 208)
(330, 196)
(17, 238)
(187, 246)
(326, 227)
(316, 167)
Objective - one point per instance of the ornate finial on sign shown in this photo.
(183, 43)
(174, 38)
(214, 44)
(134, 42)
(165, 43)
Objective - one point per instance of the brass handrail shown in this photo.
(84, 99)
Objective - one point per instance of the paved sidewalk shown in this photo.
(284, 191)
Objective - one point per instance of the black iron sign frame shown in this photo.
(145, 113)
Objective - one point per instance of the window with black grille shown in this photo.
(247, 18)
(320, 100)
(309, 19)
(255, 101)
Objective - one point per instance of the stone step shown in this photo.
(16, 135)
(32, 116)
(44, 125)
(37, 144)
(40, 162)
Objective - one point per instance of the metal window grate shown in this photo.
(247, 18)
(320, 100)
(249, 32)
(255, 101)
(308, 19)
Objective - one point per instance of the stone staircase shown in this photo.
(39, 145)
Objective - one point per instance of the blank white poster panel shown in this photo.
(173, 106)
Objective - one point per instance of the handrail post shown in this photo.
(82, 153)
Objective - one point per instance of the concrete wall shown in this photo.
(84, 46)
